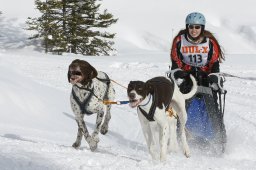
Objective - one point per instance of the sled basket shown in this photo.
(205, 122)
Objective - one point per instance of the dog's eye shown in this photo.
(76, 73)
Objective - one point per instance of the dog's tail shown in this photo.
(193, 90)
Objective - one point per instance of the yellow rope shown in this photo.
(118, 84)
(106, 102)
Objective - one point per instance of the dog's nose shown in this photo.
(131, 95)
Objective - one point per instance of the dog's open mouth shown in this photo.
(75, 79)
(134, 103)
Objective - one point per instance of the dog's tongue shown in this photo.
(133, 103)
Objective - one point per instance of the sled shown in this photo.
(205, 123)
(205, 114)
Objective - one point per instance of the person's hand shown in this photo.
(180, 74)
(216, 81)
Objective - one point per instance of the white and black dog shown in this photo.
(90, 88)
(153, 99)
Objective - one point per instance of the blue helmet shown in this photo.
(195, 18)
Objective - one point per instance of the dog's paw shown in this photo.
(93, 144)
(95, 137)
(104, 130)
(173, 146)
(163, 159)
(154, 153)
(76, 145)
(187, 153)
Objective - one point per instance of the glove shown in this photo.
(216, 81)
(180, 74)
(213, 78)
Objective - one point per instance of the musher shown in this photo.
(196, 51)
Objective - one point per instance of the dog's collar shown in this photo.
(149, 98)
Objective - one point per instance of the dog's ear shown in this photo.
(93, 73)
(130, 83)
(68, 74)
(88, 71)
(129, 87)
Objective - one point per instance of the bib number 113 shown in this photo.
(196, 58)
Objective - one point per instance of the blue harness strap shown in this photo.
(123, 102)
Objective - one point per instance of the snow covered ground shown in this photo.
(37, 126)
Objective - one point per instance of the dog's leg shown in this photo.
(104, 127)
(78, 138)
(178, 103)
(99, 122)
(162, 120)
(83, 129)
(173, 143)
(183, 120)
(92, 143)
(153, 131)
(147, 132)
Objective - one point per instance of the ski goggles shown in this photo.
(194, 27)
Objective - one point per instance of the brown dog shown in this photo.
(90, 88)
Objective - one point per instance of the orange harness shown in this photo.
(171, 113)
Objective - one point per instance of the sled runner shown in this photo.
(205, 123)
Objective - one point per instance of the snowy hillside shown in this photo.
(153, 23)
(37, 126)
(150, 25)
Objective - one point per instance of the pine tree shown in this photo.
(75, 26)
(48, 26)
